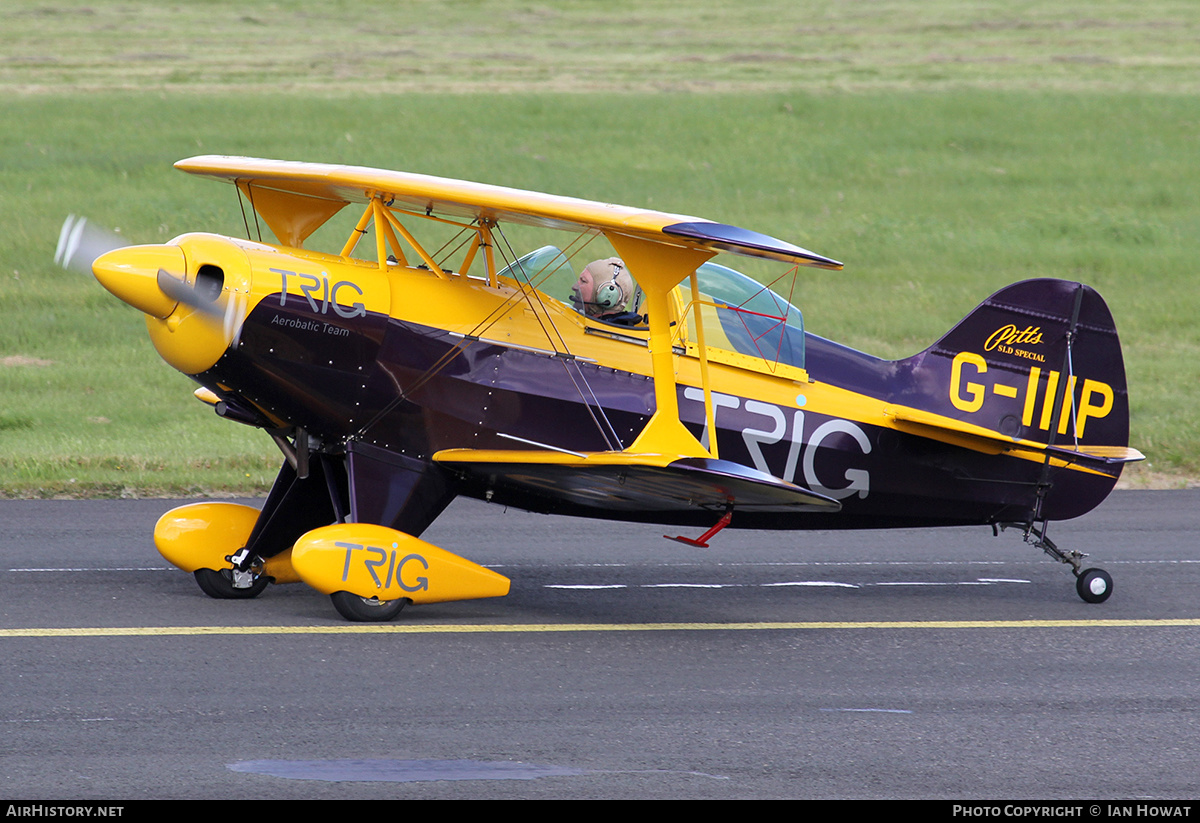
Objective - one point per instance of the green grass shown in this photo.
(374, 47)
(940, 154)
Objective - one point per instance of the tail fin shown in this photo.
(1037, 368)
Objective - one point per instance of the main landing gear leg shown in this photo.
(1093, 585)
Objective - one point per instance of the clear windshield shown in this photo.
(751, 319)
(540, 264)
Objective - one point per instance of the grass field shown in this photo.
(372, 47)
(941, 149)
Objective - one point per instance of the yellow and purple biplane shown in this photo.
(395, 376)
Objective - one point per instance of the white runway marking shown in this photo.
(982, 581)
(818, 583)
(105, 569)
(931, 583)
(691, 586)
(584, 587)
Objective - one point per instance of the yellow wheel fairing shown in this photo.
(202, 535)
(375, 561)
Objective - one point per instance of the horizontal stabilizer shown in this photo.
(978, 438)
(609, 482)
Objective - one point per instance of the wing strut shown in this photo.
(658, 268)
(392, 221)
(710, 411)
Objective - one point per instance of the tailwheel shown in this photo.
(1094, 585)
(367, 609)
(230, 584)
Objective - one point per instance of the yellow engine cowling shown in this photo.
(375, 561)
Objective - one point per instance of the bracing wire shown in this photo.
(510, 258)
(532, 295)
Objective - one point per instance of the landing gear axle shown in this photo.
(230, 584)
(1094, 585)
(367, 609)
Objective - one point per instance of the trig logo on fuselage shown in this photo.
(801, 455)
(320, 293)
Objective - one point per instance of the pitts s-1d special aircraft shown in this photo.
(394, 376)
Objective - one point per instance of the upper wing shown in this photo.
(296, 198)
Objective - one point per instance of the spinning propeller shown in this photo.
(80, 243)
(142, 276)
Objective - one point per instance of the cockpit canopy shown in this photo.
(751, 319)
(740, 314)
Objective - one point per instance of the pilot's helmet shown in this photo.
(612, 286)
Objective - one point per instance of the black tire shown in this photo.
(1094, 585)
(367, 609)
(219, 584)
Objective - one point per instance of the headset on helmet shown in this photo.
(610, 295)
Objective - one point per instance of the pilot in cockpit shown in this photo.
(603, 291)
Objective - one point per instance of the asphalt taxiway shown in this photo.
(924, 663)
